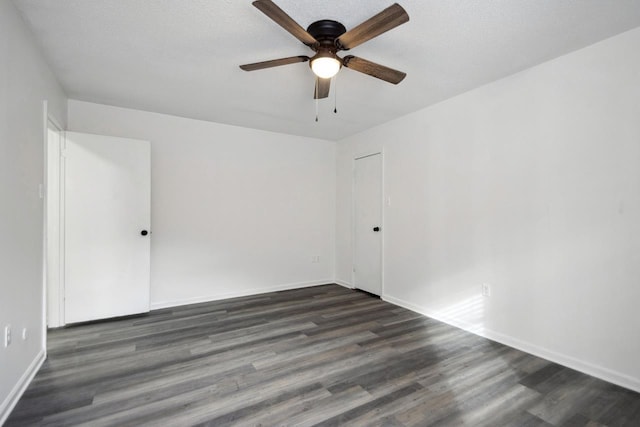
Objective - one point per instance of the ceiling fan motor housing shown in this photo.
(326, 32)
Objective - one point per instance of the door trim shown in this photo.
(359, 156)
(53, 158)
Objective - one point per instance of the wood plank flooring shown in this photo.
(318, 356)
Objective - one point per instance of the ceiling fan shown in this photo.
(326, 37)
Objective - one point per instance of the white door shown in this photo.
(107, 218)
(368, 224)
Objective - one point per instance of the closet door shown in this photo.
(367, 207)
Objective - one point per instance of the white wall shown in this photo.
(25, 82)
(234, 211)
(532, 185)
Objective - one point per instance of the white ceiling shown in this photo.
(181, 57)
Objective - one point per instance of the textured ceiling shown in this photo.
(181, 57)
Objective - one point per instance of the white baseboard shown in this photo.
(597, 371)
(21, 386)
(344, 283)
(255, 291)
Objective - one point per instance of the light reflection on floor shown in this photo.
(467, 314)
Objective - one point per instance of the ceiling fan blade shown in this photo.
(375, 70)
(281, 18)
(321, 88)
(274, 63)
(384, 21)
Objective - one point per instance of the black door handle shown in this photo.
(376, 229)
(144, 232)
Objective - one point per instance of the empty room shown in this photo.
(297, 213)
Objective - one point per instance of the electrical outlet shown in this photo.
(7, 336)
(24, 334)
(486, 290)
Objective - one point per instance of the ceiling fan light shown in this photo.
(325, 67)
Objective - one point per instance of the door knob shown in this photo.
(144, 232)
(376, 229)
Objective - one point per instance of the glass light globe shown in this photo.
(325, 67)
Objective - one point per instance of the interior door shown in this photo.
(106, 235)
(368, 224)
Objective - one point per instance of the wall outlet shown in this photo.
(7, 336)
(24, 334)
(486, 290)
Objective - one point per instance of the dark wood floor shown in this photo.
(324, 355)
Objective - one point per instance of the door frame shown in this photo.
(362, 155)
(53, 158)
